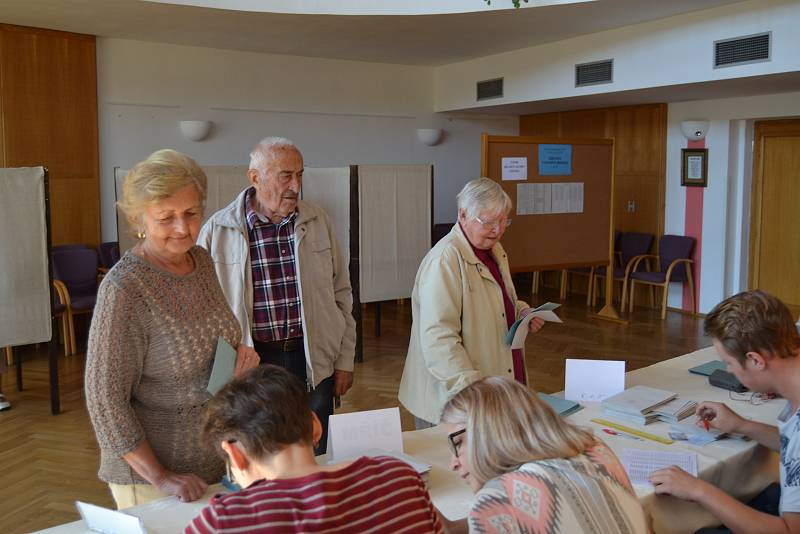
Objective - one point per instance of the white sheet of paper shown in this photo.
(514, 168)
(639, 463)
(224, 364)
(593, 380)
(101, 519)
(522, 330)
(351, 434)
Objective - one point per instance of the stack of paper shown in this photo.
(675, 410)
(639, 463)
(637, 404)
(563, 407)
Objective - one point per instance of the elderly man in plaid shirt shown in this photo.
(282, 272)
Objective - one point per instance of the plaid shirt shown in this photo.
(276, 299)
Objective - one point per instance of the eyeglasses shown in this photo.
(752, 397)
(494, 225)
(453, 443)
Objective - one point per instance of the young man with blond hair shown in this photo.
(755, 335)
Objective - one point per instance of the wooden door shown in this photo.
(775, 226)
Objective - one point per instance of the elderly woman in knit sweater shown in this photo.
(160, 311)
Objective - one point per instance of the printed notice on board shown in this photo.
(515, 168)
(555, 160)
(541, 199)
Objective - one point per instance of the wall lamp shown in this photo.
(695, 130)
(195, 130)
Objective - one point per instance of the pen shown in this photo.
(615, 433)
(705, 424)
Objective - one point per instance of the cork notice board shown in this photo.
(567, 234)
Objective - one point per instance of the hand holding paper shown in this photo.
(519, 330)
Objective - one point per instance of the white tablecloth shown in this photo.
(742, 468)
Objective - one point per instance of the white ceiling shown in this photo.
(406, 39)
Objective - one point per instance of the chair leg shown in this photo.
(631, 296)
(535, 283)
(562, 294)
(652, 296)
(73, 348)
(590, 289)
(594, 291)
(624, 294)
(665, 293)
(65, 334)
(9, 352)
(691, 289)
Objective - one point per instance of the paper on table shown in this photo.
(639, 463)
(350, 434)
(593, 380)
(224, 363)
(101, 519)
(519, 330)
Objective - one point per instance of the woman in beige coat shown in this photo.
(463, 304)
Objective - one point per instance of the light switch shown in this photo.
(631, 206)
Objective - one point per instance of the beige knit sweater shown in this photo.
(150, 352)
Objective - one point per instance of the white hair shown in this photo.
(483, 196)
(262, 152)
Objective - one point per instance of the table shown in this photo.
(741, 468)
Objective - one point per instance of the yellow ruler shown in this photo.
(634, 431)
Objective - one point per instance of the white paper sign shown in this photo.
(99, 519)
(593, 380)
(352, 434)
(515, 168)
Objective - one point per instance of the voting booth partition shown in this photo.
(562, 193)
(25, 289)
(382, 217)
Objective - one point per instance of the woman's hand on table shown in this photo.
(186, 487)
(677, 482)
(246, 358)
(719, 416)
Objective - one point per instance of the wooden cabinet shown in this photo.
(48, 115)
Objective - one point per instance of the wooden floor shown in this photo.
(47, 463)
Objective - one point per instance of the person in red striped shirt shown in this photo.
(262, 427)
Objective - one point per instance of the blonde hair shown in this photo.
(483, 196)
(161, 175)
(508, 425)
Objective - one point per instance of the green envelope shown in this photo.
(224, 363)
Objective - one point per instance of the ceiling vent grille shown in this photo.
(594, 73)
(490, 89)
(742, 50)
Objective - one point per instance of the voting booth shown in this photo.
(25, 289)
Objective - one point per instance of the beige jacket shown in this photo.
(325, 294)
(459, 325)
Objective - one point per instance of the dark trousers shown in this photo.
(320, 398)
(767, 501)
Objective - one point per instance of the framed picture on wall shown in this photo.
(694, 170)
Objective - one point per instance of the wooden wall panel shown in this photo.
(48, 87)
(640, 165)
(586, 124)
(541, 125)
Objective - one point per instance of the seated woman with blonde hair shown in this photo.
(532, 471)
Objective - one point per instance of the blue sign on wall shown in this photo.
(555, 160)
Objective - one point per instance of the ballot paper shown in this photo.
(224, 363)
(694, 434)
(639, 463)
(99, 519)
(519, 330)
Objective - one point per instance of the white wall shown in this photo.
(338, 112)
(726, 200)
(669, 51)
